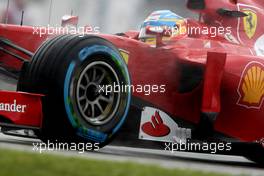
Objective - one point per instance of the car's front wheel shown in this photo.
(73, 73)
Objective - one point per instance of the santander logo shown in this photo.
(156, 126)
(13, 107)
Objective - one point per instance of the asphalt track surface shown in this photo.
(234, 165)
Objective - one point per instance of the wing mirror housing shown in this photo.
(159, 32)
(69, 20)
(231, 13)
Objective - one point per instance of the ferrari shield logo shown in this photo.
(251, 87)
(250, 23)
(125, 55)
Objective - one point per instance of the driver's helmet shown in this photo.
(162, 21)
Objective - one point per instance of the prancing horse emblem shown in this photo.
(250, 22)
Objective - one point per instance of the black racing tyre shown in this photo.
(74, 74)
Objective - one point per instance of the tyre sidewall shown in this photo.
(78, 59)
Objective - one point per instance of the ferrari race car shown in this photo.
(159, 87)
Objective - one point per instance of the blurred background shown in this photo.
(111, 16)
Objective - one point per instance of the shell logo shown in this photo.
(251, 86)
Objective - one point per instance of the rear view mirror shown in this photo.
(159, 30)
(231, 13)
(69, 20)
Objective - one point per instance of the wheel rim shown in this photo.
(96, 106)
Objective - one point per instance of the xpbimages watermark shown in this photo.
(188, 29)
(147, 89)
(60, 146)
(211, 147)
(59, 30)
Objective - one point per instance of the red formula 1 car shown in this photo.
(192, 88)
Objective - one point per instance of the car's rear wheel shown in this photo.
(73, 72)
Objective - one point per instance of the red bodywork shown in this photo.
(23, 109)
(225, 70)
